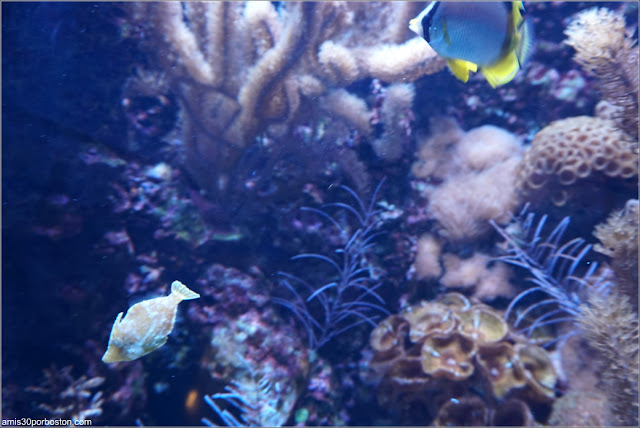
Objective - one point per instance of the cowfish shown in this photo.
(492, 36)
(146, 326)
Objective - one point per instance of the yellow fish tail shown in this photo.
(502, 71)
(522, 30)
(520, 49)
(460, 68)
(182, 291)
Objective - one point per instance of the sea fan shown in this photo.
(349, 298)
(562, 277)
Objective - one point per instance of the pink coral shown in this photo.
(478, 169)
(488, 282)
(427, 264)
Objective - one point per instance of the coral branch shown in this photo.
(240, 69)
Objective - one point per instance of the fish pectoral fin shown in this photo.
(460, 68)
(502, 71)
(154, 344)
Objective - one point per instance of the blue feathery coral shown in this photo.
(562, 277)
(350, 297)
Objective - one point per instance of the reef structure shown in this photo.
(243, 68)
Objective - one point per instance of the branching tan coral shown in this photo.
(567, 152)
(606, 49)
(395, 114)
(244, 68)
(610, 326)
(619, 240)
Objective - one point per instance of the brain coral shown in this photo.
(568, 151)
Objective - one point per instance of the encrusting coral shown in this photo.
(242, 68)
(572, 153)
(430, 354)
(251, 349)
(605, 48)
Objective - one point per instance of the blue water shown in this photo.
(105, 202)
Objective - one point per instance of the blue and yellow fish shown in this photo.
(492, 36)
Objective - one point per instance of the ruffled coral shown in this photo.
(448, 356)
(570, 152)
(427, 319)
(482, 325)
(538, 370)
(468, 411)
(496, 362)
(452, 345)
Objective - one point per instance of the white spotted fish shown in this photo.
(146, 326)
